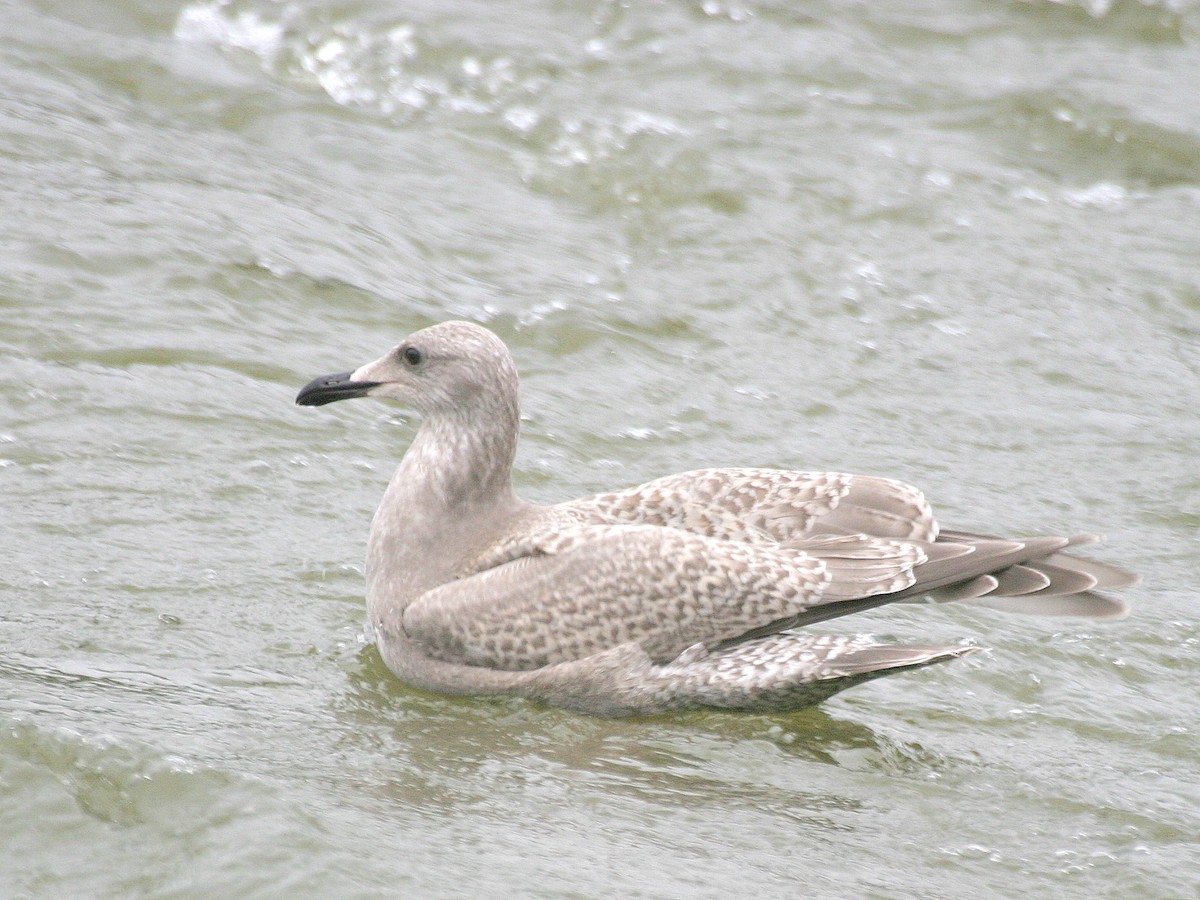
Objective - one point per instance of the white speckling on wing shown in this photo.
(586, 588)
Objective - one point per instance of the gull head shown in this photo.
(446, 369)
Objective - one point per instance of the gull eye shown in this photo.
(413, 356)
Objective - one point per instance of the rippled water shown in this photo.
(952, 242)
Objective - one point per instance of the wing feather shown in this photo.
(588, 589)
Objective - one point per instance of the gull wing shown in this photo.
(583, 590)
(750, 504)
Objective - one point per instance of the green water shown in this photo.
(955, 243)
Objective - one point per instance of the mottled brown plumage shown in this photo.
(680, 593)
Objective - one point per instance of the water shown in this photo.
(952, 242)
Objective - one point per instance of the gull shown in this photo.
(692, 591)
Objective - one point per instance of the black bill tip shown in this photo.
(329, 388)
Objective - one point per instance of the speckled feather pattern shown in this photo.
(676, 594)
(592, 587)
(746, 504)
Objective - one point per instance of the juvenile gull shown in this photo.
(682, 593)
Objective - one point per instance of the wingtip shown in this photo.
(1087, 605)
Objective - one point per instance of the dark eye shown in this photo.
(412, 356)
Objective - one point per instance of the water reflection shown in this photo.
(445, 753)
